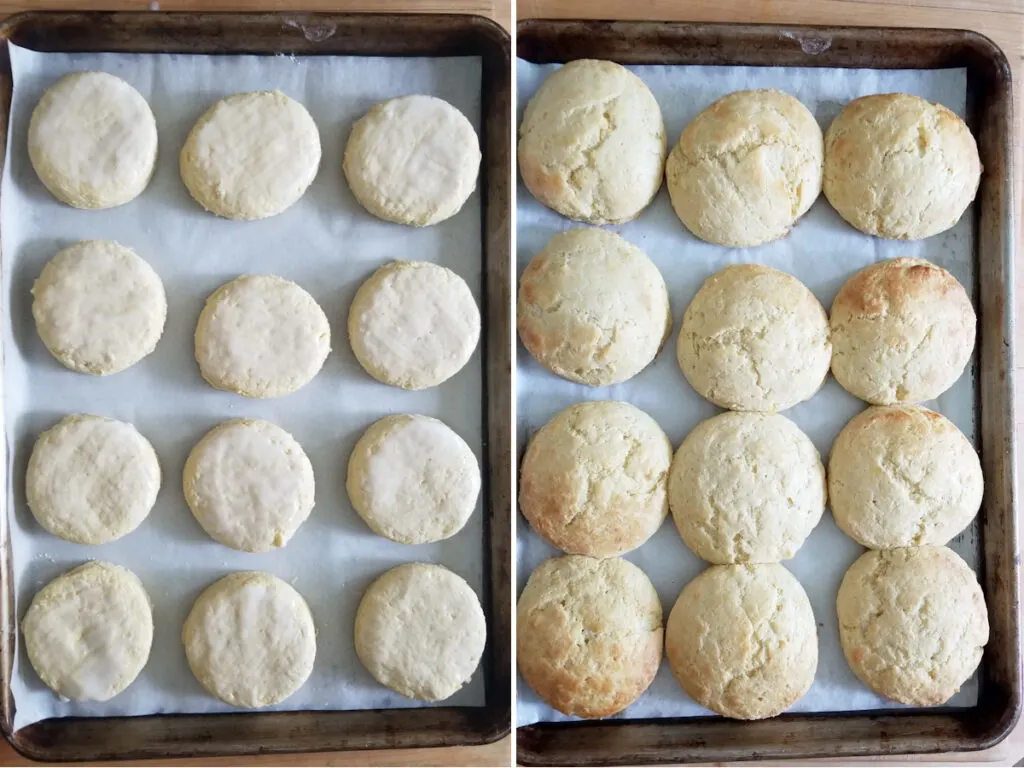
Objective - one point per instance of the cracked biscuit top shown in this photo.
(902, 332)
(912, 623)
(742, 640)
(592, 143)
(754, 339)
(593, 308)
(903, 475)
(594, 479)
(746, 168)
(897, 166)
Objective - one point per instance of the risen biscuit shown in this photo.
(592, 143)
(593, 308)
(588, 634)
(742, 640)
(902, 332)
(903, 475)
(746, 168)
(912, 623)
(754, 339)
(746, 488)
(594, 479)
(897, 166)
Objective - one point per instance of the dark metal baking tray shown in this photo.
(989, 103)
(165, 736)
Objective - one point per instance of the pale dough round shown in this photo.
(588, 634)
(250, 639)
(903, 475)
(754, 339)
(594, 479)
(746, 168)
(746, 488)
(742, 640)
(902, 332)
(413, 480)
(912, 623)
(413, 324)
(251, 155)
(249, 484)
(593, 308)
(88, 632)
(91, 480)
(412, 160)
(261, 336)
(98, 307)
(420, 631)
(592, 143)
(92, 140)
(899, 167)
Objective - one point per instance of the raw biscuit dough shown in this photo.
(746, 168)
(89, 631)
(912, 623)
(249, 484)
(412, 160)
(91, 480)
(251, 155)
(897, 166)
(92, 140)
(412, 479)
(594, 479)
(746, 488)
(588, 634)
(413, 324)
(903, 475)
(250, 639)
(261, 336)
(592, 143)
(593, 308)
(98, 307)
(754, 339)
(420, 631)
(742, 640)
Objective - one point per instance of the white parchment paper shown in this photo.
(823, 251)
(328, 245)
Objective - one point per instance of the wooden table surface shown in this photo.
(1001, 20)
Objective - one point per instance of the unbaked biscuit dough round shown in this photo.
(413, 324)
(98, 307)
(592, 143)
(594, 479)
(901, 476)
(249, 484)
(420, 631)
(742, 640)
(754, 339)
(251, 155)
(261, 336)
(912, 623)
(88, 632)
(746, 168)
(412, 479)
(899, 167)
(412, 160)
(91, 480)
(902, 332)
(250, 639)
(92, 140)
(593, 308)
(588, 634)
(746, 488)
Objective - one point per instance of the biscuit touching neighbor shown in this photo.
(593, 308)
(592, 143)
